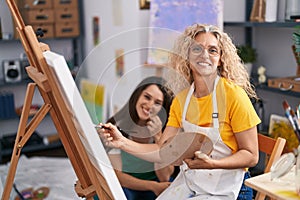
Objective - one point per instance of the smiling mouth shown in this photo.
(203, 64)
(146, 112)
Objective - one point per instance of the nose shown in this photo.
(205, 53)
(151, 104)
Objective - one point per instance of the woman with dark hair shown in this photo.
(142, 120)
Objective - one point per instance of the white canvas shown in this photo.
(89, 137)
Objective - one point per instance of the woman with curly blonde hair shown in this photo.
(217, 104)
(231, 66)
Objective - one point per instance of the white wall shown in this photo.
(274, 47)
(122, 26)
(273, 44)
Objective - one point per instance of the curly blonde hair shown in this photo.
(231, 66)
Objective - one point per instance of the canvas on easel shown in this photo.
(51, 75)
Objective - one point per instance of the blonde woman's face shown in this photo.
(150, 102)
(204, 54)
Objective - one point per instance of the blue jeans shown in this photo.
(138, 195)
(246, 193)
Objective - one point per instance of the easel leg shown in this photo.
(23, 134)
(16, 151)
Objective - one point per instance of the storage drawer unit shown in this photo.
(34, 4)
(66, 18)
(38, 16)
(58, 18)
(65, 4)
(66, 29)
(66, 15)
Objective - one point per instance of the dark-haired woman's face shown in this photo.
(149, 103)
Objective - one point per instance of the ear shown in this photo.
(219, 63)
(219, 67)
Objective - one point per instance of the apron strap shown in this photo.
(187, 100)
(215, 114)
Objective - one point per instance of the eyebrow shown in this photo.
(204, 46)
(160, 100)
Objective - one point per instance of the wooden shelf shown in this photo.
(282, 24)
(269, 89)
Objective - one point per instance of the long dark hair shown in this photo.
(130, 106)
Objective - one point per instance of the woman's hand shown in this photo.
(200, 161)
(159, 187)
(110, 135)
(154, 126)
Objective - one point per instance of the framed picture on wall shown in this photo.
(94, 98)
(144, 4)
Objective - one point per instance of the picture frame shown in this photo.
(280, 126)
(94, 98)
(144, 4)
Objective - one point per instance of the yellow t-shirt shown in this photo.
(235, 110)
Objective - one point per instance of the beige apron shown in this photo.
(205, 183)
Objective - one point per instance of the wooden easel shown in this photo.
(90, 181)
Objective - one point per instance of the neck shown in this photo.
(204, 85)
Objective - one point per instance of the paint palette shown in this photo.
(184, 145)
(283, 165)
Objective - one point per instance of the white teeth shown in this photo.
(146, 111)
(204, 64)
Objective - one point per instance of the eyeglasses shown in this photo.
(198, 49)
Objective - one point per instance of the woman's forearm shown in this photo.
(148, 152)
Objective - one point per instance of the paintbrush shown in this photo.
(296, 122)
(290, 115)
(287, 110)
(98, 126)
